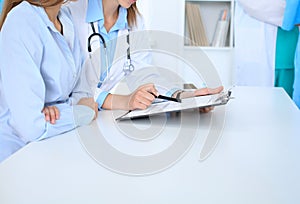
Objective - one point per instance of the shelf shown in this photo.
(209, 48)
(209, 0)
(210, 12)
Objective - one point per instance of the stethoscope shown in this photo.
(128, 67)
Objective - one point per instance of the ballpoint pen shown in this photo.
(167, 98)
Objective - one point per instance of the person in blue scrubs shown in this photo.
(41, 64)
(286, 43)
(292, 18)
(1, 2)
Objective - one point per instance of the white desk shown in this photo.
(257, 160)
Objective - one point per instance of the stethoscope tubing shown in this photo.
(128, 67)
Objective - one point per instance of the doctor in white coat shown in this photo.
(116, 21)
(111, 19)
(255, 40)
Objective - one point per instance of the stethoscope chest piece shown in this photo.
(128, 67)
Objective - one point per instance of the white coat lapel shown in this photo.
(121, 51)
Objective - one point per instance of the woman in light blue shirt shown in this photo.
(40, 66)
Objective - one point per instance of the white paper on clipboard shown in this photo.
(187, 103)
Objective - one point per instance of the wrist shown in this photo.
(178, 94)
(117, 102)
(185, 94)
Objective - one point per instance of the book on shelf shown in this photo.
(195, 28)
(221, 31)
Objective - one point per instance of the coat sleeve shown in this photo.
(268, 11)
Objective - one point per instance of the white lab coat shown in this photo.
(255, 40)
(139, 59)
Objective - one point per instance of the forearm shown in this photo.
(116, 102)
(198, 92)
(141, 98)
(70, 118)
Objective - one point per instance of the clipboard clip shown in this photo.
(224, 97)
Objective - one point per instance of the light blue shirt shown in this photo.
(95, 14)
(38, 66)
(291, 18)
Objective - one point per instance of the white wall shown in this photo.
(164, 15)
(167, 16)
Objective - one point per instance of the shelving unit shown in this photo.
(210, 12)
(221, 57)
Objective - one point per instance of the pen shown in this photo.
(167, 98)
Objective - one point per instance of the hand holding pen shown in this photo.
(142, 97)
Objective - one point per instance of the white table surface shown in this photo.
(257, 160)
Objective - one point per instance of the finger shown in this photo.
(206, 110)
(202, 110)
(148, 85)
(141, 106)
(56, 112)
(52, 115)
(206, 91)
(150, 88)
(46, 113)
(145, 98)
(201, 92)
(96, 110)
(138, 103)
(216, 90)
(153, 90)
(146, 95)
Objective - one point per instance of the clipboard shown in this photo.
(186, 103)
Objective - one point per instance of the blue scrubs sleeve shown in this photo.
(291, 18)
(291, 14)
(1, 2)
